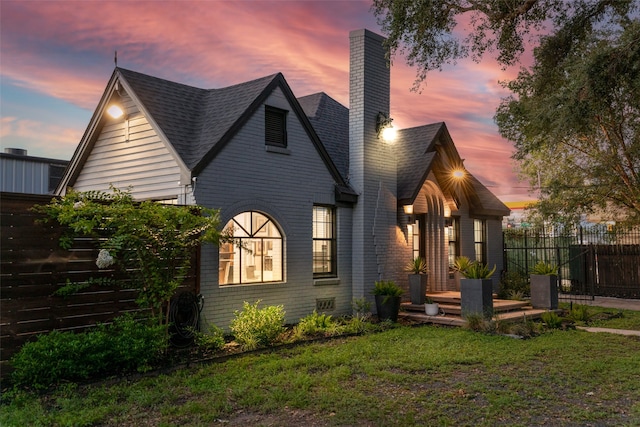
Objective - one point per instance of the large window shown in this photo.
(480, 239)
(324, 241)
(453, 233)
(255, 256)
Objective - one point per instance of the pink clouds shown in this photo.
(65, 50)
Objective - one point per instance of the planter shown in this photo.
(418, 288)
(432, 309)
(476, 297)
(387, 307)
(544, 291)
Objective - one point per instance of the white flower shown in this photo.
(78, 205)
(104, 259)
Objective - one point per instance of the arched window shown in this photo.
(255, 256)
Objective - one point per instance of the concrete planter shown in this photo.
(544, 291)
(418, 288)
(476, 297)
(432, 309)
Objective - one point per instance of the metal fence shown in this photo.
(591, 261)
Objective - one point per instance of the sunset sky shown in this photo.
(57, 56)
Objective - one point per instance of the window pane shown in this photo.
(324, 242)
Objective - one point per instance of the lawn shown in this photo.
(424, 375)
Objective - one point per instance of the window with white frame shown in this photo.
(256, 253)
(324, 241)
(480, 239)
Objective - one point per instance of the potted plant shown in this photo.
(431, 308)
(460, 264)
(387, 295)
(476, 289)
(418, 278)
(544, 286)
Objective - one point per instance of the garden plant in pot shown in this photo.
(476, 290)
(387, 295)
(431, 308)
(418, 277)
(460, 264)
(544, 286)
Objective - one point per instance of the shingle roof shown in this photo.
(194, 120)
(415, 157)
(330, 119)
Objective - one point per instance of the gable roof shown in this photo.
(424, 149)
(195, 123)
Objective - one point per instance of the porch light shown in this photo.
(384, 128)
(115, 111)
(408, 209)
(458, 174)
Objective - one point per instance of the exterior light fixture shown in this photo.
(384, 128)
(408, 209)
(115, 111)
(458, 173)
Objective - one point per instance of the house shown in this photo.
(324, 205)
(21, 173)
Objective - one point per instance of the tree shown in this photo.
(575, 123)
(152, 242)
(427, 30)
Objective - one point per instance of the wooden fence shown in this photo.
(33, 267)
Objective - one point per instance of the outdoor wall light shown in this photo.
(408, 209)
(115, 111)
(384, 128)
(458, 173)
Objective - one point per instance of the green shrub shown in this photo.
(315, 324)
(513, 282)
(551, 319)
(125, 345)
(544, 269)
(579, 313)
(253, 327)
(361, 308)
(212, 339)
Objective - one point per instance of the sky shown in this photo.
(56, 58)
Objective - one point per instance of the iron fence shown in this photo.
(591, 261)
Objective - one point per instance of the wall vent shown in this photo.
(325, 304)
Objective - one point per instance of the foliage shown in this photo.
(478, 270)
(316, 324)
(417, 266)
(361, 308)
(461, 263)
(544, 269)
(212, 339)
(579, 313)
(150, 241)
(551, 320)
(575, 122)
(71, 288)
(255, 327)
(435, 33)
(513, 283)
(388, 289)
(123, 346)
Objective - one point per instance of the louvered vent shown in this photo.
(325, 304)
(275, 124)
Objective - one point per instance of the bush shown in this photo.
(315, 324)
(514, 283)
(125, 345)
(551, 320)
(253, 327)
(212, 339)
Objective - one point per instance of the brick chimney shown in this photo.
(372, 163)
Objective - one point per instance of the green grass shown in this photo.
(610, 317)
(404, 376)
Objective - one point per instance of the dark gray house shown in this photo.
(325, 203)
(21, 173)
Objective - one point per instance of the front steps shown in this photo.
(450, 312)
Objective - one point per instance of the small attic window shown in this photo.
(275, 125)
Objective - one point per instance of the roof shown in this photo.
(330, 119)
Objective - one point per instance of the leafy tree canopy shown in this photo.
(152, 242)
(575, 123)
(430, 33)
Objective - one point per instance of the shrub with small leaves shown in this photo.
(316, 324)
(255, 327)
(212, 339)
(551, 320)
(123, 346)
